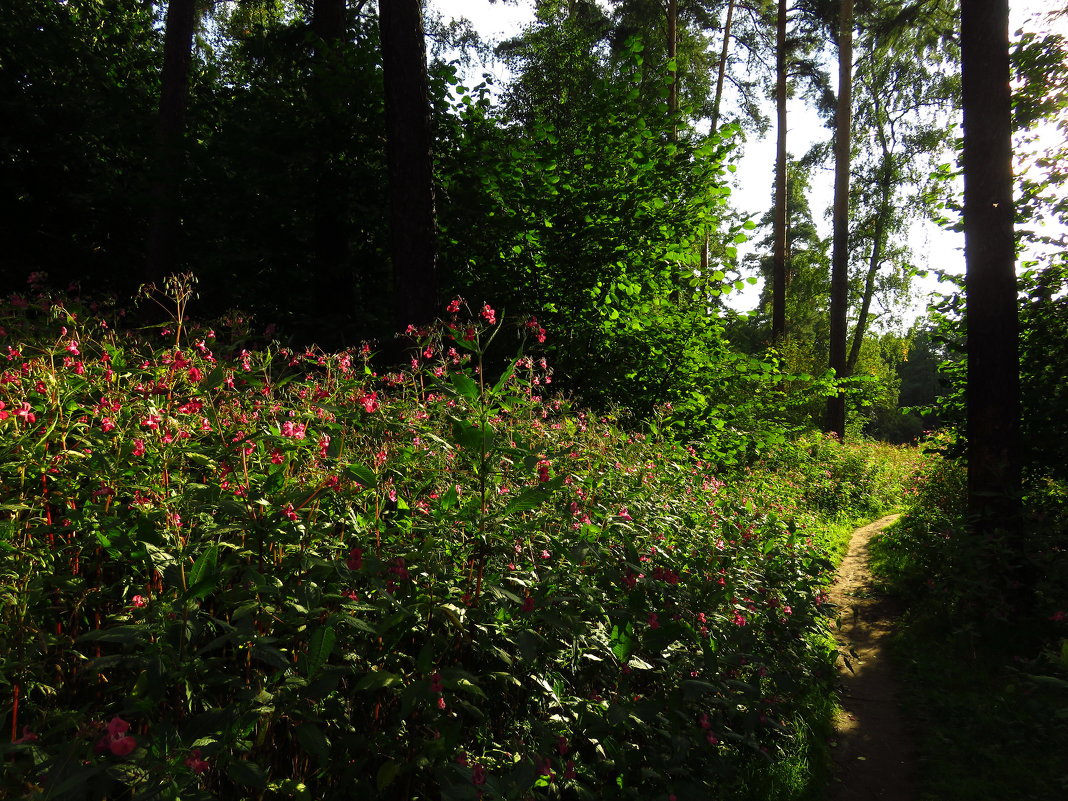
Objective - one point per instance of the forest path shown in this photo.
(873, 758)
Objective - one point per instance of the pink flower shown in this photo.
(454, 306)
(72, 348)
(27, 736)
(25, 413)
(528, 604)
(116, 740)
(277, 457)
(195, 374)
(543, 470)
(107, 424)
(290, 512)
(488, 314)
(138, 601)
(355, 560)
(139, 447)
(293, 430)
(369, 401)
(195, 763)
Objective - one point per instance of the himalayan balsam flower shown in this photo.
(139, 447)
(454, 306)
(369, 401)
(355, 560)
(116, 740)
(25, 413)
(489, 315)
(195, 763)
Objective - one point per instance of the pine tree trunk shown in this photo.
(836, 405)
(993, 390)
(874, 262)
(778, 267)
(164, 222)
(408, 146)
(722, 71)
(333, 288)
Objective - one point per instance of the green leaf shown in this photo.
(364, 475)
(320, 646)
(378, 679)
(213, 380)
(312, 740)
(204, 567)
(248, 774)
(386, 774)
(466, 386)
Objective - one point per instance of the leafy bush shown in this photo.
(235, 572)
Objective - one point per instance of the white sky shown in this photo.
(752, 190)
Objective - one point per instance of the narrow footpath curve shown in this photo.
(873, 757)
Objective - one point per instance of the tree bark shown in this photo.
(333, 288)
(874, 263)
(778, 266)
(410, 162)
(836, 405)
(993, 388)
(164, 222)
(672, 54)
(724, 50)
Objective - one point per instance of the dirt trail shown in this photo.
(873, 757)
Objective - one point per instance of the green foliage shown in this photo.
(234, 572)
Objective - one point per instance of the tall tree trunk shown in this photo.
(722, 71)
(874, 262)
(993, 390)
(408, 145)
(836, 405)
(164, 223)
(778, 266)
(333, 288)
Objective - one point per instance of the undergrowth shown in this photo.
(239, 571)
(986, 685)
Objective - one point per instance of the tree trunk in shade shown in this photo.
(164, 223)
(410, 162)
(993, 389)
(333, 287)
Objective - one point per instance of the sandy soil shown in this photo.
(873, 753)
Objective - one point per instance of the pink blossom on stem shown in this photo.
(195, 763)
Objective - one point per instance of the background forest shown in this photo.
(347, 392)
(590, 192)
